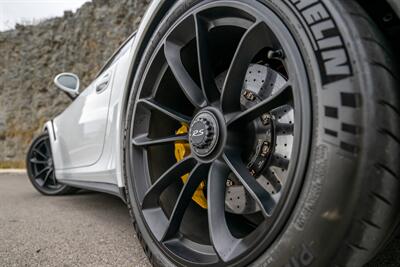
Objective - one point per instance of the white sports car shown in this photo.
(251, 132)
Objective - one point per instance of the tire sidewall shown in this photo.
(334, 179)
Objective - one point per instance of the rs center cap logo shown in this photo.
(203, 133)
(198, 132)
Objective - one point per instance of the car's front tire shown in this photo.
(311, 178)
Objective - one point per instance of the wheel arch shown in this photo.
(49, 129)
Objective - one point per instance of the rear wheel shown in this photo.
(250, 143)
(41, 170)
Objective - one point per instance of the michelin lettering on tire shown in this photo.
(325, 38)
(335, 69)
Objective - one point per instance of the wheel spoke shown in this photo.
(48, 150)
(153, 213)
(172, 50)
(207, 79)
(196, 176)
(53, 176)
(172, 174)
(165, 110)
(222, 239)
(260, 195)
(37, 151)
(40, 182)
(47, 177)
(41, 172)
(254, 39)
(143, 140)
(36, 161)
(281, 97)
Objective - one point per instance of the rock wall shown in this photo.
(30, 57)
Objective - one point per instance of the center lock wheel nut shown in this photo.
(203, 133)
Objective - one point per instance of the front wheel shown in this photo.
(40, 168)
(264, 133)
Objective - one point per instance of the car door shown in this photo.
(80, 130)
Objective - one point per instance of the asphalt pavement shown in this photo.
(85, 229)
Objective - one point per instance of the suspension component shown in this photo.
(276, 54)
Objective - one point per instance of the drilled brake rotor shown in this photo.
(270, 146)
(270, 149)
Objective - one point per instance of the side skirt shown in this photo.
(111, 189)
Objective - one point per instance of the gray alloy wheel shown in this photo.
(40, 168)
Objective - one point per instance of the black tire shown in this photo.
(348, 205)
(40, 168)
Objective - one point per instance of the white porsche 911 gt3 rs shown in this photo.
(252, 132)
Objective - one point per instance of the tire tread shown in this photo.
(379, 217)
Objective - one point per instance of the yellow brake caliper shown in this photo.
(182, 149)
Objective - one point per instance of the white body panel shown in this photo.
(89, 151)
(81, 128)
(86, 139)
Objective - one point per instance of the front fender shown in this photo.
(49, 128)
